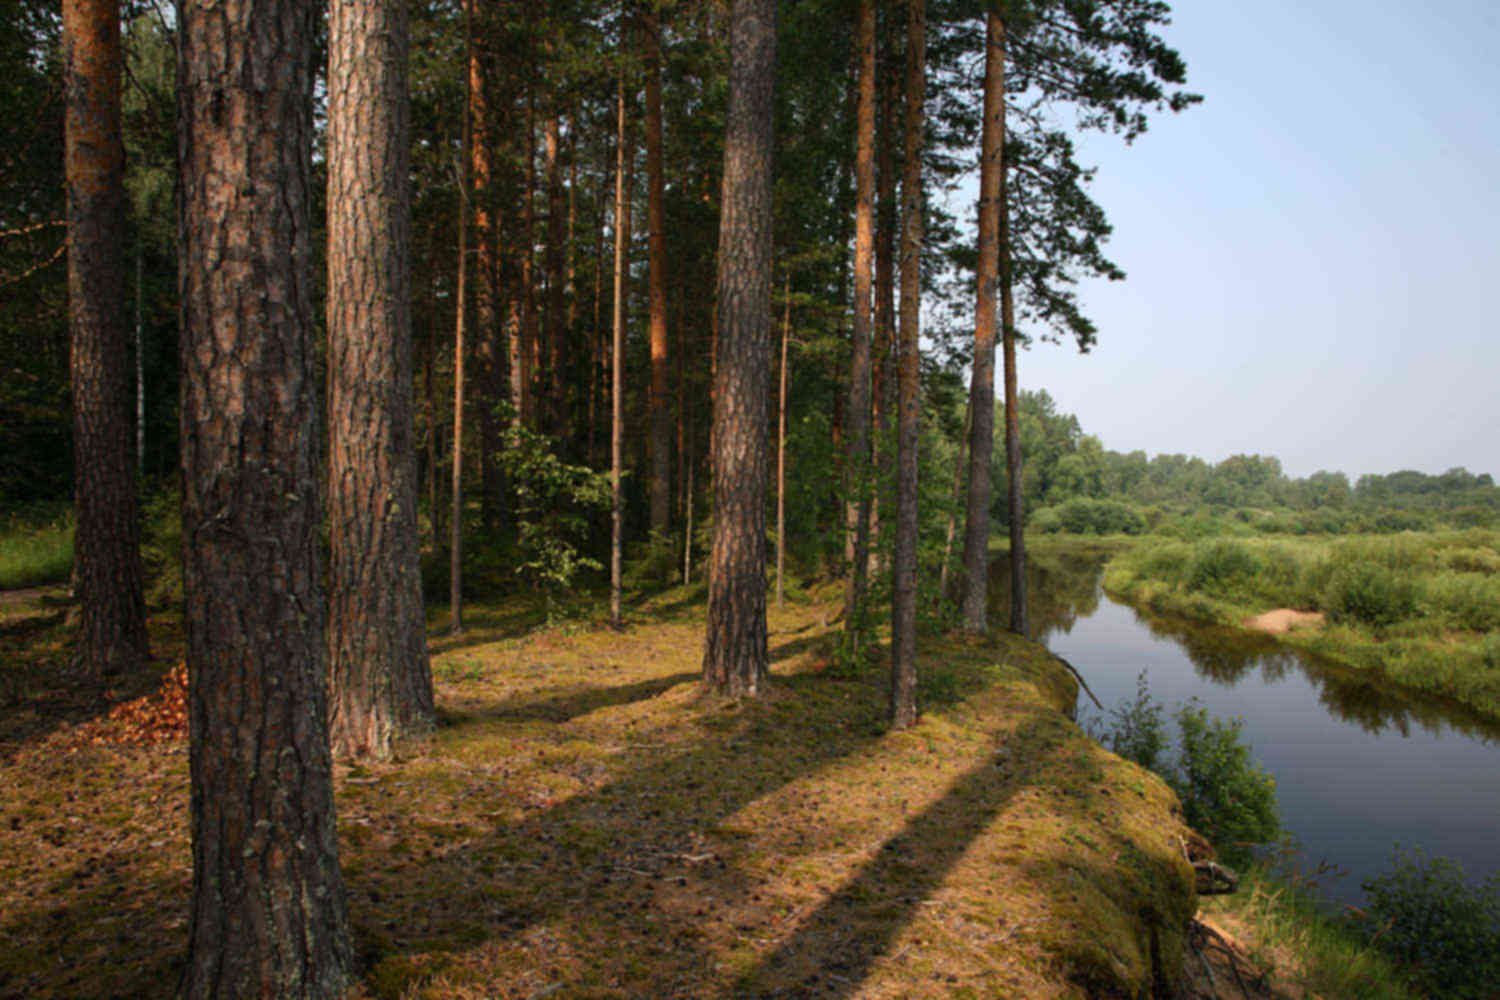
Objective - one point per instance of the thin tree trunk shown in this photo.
(987, 279)
(489, 386)
(430, 388)
(857, 458)
(106, 544)
(268, 916)
(660, 438)
(377, 637)
(596, 338)
(687, 528)
(735, 660)
(140, 372)
(786, 333)
(884, 399)
(531, 358)
(959, 468)
(556, 329)
(623, 159)
(456, 515)
(904, 610)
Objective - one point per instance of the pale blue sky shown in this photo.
(1310, 251)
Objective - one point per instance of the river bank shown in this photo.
(1422, 609)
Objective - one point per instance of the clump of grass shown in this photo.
(1287, 930)
(33, 554)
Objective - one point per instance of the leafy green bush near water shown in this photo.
(1225, 794)
(1445, 930)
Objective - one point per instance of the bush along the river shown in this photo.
(1441, 928)
(1225, 794)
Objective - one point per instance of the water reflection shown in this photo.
(1064, 588)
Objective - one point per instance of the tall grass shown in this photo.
(33, 553)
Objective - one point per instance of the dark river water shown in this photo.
(1360, 766)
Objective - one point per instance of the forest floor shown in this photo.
(585, 823)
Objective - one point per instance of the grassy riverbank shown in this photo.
(585, 824)
(1420, 608)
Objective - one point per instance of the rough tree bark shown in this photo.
(485, 278)
(377, 637)
(268, 916)
(857, 458)
(904, 568)
(660, 438)
(982, 385)
(786, 335)
(735, 655)
(106, 543)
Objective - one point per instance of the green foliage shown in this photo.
(1222, 567)
(161, 549)
(1447, 931)
(1225, 794)
(1368, 593)
(553, 505)
(34, 552)
(1086, 516)
(1137, 729)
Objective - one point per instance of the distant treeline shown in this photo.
(1073, 483)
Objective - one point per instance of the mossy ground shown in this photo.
(586, 823)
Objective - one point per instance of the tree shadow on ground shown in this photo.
(623, 873)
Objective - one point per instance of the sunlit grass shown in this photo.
(33, 554)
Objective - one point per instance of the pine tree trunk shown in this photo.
(987, 280)
(786, 334)
(106, 544)
(377, 637)
(268, 917)
(531, 357)
(554, 261)
(460, 315)
(735, 660)
(883, 391)
(960, 467)
(857, 458)
(485, 275)
(623, 159)
(660, 439)
(904, 569)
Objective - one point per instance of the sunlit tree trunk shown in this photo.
(377, 638)
(660, 439)
(623, 159)
(904, 568)
(268, 916)
(883, 389)
(987, 280)
(857, 458)
(735, 656)
(460, 316)
(1019, 616)
(485, 333)
(554, 262)
(106, 543)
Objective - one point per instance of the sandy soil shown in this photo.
(1284, 620)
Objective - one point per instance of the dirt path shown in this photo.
(1284, 620)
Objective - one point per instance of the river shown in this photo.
(1360, 765)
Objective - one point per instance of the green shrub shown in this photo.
(1086, 516)
(1425, 915)
(1489, 651)
(1465, 600)
(1138, 729)
(1222, 567)
(1369, 593)
(1225, 794)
